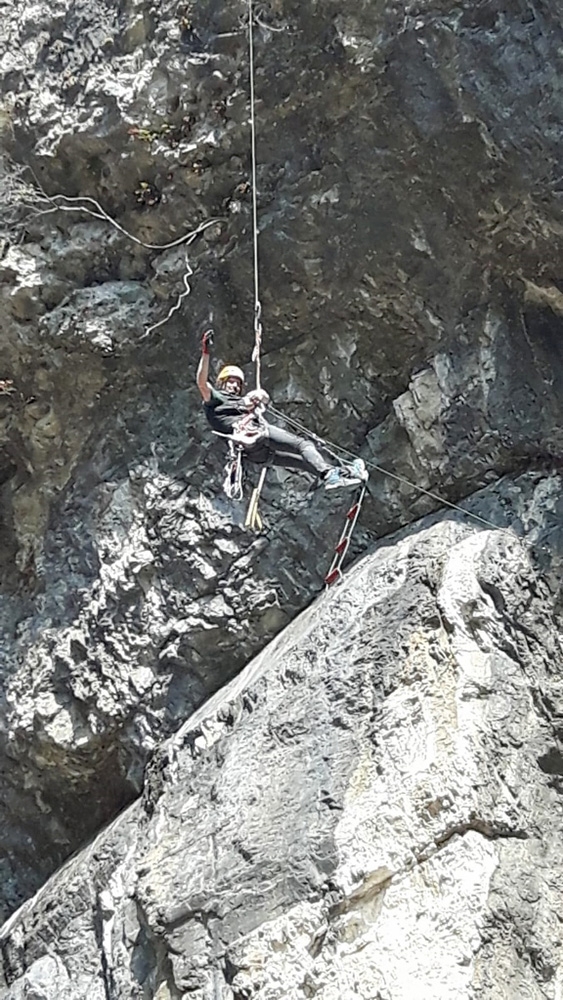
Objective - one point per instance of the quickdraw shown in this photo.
(232, 483)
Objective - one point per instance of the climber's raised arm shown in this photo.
(202, 375)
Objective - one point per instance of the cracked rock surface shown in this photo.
(372, 808)
(409, 197)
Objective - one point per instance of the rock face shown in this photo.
(372, 808)
(410, 237)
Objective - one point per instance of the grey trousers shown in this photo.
(288, 450)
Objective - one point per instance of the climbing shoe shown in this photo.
(338, 479)
(350, 476)
(358, 469)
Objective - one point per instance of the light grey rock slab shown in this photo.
(410, 233)
(371, 807)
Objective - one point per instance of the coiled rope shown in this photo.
(257, 304)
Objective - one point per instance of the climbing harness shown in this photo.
(257, 304)
(253, 518)
(247, 432)
(335, 570)
(251, 428)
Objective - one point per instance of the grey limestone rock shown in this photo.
(409, 197)
(371, 808)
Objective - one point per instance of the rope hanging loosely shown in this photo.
(257, 304)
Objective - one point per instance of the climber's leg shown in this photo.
(294, 452)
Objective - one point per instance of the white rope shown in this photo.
(181, 295)
(66, 203)
(257, 303)
(74, 204)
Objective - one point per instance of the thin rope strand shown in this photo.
(181, 295)
(72, 204)
(68, 203)
(257, 303)
(386, 472)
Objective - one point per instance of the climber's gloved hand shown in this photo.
(206, 341)
(256, 397)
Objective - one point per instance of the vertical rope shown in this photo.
(257, 303)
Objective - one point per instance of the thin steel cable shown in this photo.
(332, 449)
(257, 303)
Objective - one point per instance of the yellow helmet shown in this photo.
(230, 371)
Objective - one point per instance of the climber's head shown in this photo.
(231, 380)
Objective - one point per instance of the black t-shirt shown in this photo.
(222, 411)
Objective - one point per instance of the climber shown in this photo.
(240, 419)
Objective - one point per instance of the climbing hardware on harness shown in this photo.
(257, 304)
(232, 483)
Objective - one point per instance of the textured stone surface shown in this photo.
(409, 190)
(372, 808)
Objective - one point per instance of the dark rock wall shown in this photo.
(410, 231)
